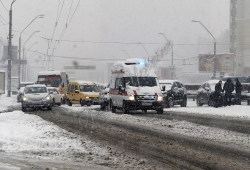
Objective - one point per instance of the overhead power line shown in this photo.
(4, 6)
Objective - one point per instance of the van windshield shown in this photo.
(88, 88)
(140, 81)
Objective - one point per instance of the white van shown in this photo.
(134, 86)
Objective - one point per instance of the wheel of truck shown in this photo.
(184, 102)
(112, 107)
(124, 108)
(198, 101)
(69, 103)
(160, 111)
(170, 102)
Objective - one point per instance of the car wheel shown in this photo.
(59, 104)
(113, 108)
(124, 108)
(49, 108)
(210, 102)
(102, 107)
(145, 111)
(198, 101)
(184, 102)
(81, 102)
(69, 103)
(170, 102)
(53, 102)
(160, 111)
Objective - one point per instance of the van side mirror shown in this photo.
(121, 89)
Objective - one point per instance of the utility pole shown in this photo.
(9, 52)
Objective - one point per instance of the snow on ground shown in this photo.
(27, 133)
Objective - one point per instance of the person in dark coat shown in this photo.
(217, 92)
(228, 88)
(238, 89)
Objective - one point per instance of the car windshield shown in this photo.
(140, 81)
(88, 88)
(167, 86)
(35, 90)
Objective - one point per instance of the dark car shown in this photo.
(174, 93)
(205, 94)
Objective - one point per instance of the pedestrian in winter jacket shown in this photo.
(228, 88)
(238, 90)
(217, 93)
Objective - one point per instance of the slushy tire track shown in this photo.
(165, 149)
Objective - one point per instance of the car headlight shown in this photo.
(87, 97)
(159, 98)
(47, 97)
(131, 97)
(25, 98)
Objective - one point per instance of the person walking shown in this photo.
(217, 92)
(238, 89)
(228, 88)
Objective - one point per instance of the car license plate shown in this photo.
(146, 104)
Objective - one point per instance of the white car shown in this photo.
(55, 95)
(36, 96)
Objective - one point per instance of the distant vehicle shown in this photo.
(58, 79)
(23, 84)
(205, 94)
(56, 96)
(36, 96)
(134, 86)
(21, 89)
(82, 92)
(104, 98)
(242, 79)
(20, 94)
(174, 93)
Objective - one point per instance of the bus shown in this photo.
(58, 79)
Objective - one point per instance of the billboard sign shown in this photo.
(224, 62)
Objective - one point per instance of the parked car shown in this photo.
(205, 94)
(104, 98)
(56, 96)
(174, 93)
(20, 94)
(36, 96)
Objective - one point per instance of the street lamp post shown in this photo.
(24, 57)
(172, 59)
(144, 49)
(19, 52)
(214, 72)
(9, 51)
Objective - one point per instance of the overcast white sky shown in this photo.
(129, 21)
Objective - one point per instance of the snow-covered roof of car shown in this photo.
(51, 72)
(36, 85)
(168, 81)
(84, 82)
(49, 87)
(27, 82)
